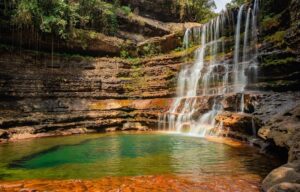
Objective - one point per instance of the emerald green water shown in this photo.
(95, 156)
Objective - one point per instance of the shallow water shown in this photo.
(101, 155)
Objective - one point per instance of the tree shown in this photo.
(60, 17)
(51, 16)
(236, 3)
(197, 10)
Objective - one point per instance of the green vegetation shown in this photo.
(271, 62)
(61, 17)
(196, 10)
(277, 37)
(135, 61)
(138, 80)
(126, 10)
(269, 23)
(151, 49)
(79, 22)
(236, 3)
(124, 54)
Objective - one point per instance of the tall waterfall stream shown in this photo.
(215, 72)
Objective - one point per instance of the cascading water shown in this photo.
(215, 72)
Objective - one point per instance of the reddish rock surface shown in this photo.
(245, 183)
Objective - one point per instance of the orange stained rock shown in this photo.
(224, 140)
(161, 183)
(137, 104)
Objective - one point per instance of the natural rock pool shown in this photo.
(101, 155)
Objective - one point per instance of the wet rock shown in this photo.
(285, 187)
(112, 129)
(285, 177)
(239, 122)
(134, 126)
(21, 132)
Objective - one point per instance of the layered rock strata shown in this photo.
(41, 93)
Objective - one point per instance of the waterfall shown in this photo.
(253, 67)
(214, 72)
(238, 84)
(243, 78)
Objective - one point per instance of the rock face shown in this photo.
(279, 69)
(279, 59)
(163, 10)
(283, 128)
(41, 93)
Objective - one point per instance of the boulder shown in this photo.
(285, 177)
(285, 187)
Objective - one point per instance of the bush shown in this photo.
(126, 10)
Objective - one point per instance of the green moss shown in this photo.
(179, 49)
(272, 62)
(277, 37)
(151, 49)
(135, 61)
(137, 79)
(279, 85)
(82, 37)
(270, 23)
(124, 54)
